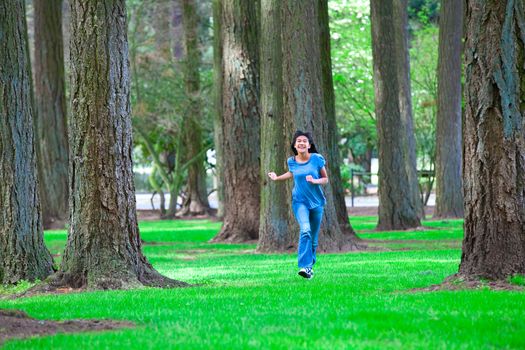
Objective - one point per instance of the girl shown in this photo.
(308, 170)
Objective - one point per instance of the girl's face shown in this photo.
(302, 145)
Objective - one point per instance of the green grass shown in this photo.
(248, 300)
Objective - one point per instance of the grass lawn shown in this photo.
(248, 300)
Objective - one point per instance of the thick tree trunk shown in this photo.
(196, 201)
(449, 192)
(23, 255)
(240, 129)
(399, 204)
(161, 18)
(304, 104)
(494, 140)
(217, 122)
(103, 248)
(276, 230)
(50, 116)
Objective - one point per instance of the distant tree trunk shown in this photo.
(103, 248)
(217, 122)
(240, 129)
(177, 31)
(196, 201)
(333, 155)
(399, 204)
(305, 107)
(50, 116)
(494, 140)
(449, 192)
(161, 18)
(276, 231)
(23, 255)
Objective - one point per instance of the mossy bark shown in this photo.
(23, 255)
(399, 204)
(103, 249)
(50, 116)
(494, 140)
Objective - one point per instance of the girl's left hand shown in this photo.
(310, 179)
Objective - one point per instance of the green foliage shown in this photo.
(518, 280)
(246, 300)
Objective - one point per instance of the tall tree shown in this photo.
(276, 221)
(494, 140)
(217, 121)
(241, 121)
(103, 248)
(196, 201)
(449, 192)
(23, 255)
(399, 203)
(305, 107)
(50, 103)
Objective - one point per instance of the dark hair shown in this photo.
(310, 140)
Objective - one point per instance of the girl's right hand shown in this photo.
(272, 175)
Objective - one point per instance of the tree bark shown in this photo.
(241, 126)
(196, 201)
(333, 155)
(399, 204)
(23, 255)
(50, 116)
(449, 192)
(218, 121)
(494, 140)
(177, 31)
(103, 249)
(276, 230)
(304, 104)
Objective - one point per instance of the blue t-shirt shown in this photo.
(304, 192)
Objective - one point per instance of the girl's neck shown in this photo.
(303, 157)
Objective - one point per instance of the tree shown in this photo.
(449, 193)
(217, 90)
(399, 203)
(50, 116)
(306, 105)
(241, 122)
(276, 221)
(196, 200)
(103, 248)
(494, 140)
(23, 255)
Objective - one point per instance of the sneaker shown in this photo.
(306, 272)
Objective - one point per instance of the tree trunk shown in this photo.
(196, 201)
(449, 192)
(217, 122)
(177, 31)
(333, 155)
(276, 230)
(305, 107)
(399, 204)
(50, 116)
(494, 140)
(103, 248)
(23, 255)
(161, 18)
(240, 129)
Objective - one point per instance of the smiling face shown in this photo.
(302, 145)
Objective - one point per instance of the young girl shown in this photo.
(308, 170)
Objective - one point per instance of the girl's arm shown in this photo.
(323, 180)
(287, 175)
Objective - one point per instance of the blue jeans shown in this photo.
(309, 223)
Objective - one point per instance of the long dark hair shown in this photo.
(310, 140)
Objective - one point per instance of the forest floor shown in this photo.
(378, 299)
